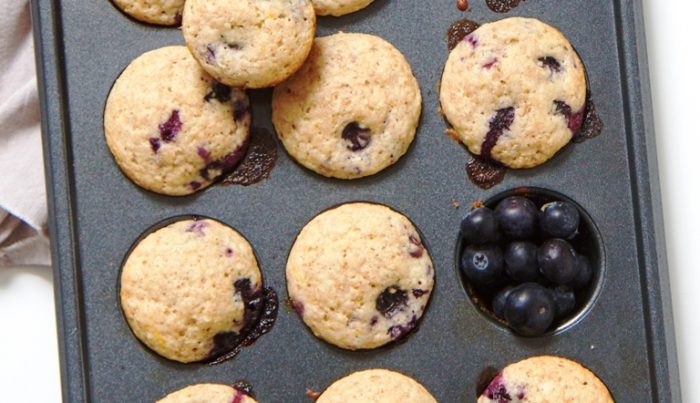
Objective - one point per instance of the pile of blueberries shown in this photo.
(522, 258)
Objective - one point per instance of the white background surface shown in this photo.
(28, 356)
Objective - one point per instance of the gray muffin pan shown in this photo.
(626, 336)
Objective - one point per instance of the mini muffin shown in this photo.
(376, 386)
(171, 128)
(159, 12)
(359, 276)
(514, 91)
(351, 110)
(191, 290)
(546, 379)
(337, 8)
(249, 43)
(208, 393)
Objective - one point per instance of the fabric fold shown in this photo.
(23, 208)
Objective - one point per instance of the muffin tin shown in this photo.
(587, 241)
(625, 336)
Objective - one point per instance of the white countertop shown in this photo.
(29, 359)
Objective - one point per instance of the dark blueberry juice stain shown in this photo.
(399, 332)
(462, 5)
(485, 378)
(458, 30)
(218, 92)
(171, 127)
(497, 390)
(261, 306)
(417, 292)
(211, 54)
(490, 64)
(499, 123)
(356, 138)
(244, 387)
(178, 19)
(391, 300)
(574, 120)
(257, 162)
(550, 62)
(155, 144)
(485, 174)
(312, 395)
(502, 6)
(234, 157)
(592, 125)
(204, 154)
(416, 252)
(223, 165)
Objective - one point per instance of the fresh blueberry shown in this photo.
(584, 272)
(559, 219)
(498, 305)
(482, 264)
(479, 226)
(529, 309)
(557, 261)
(521, 261)
(516, 217)
(564, 301)
(391, 300)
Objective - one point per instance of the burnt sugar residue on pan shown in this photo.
(502, 6)
(260, 315)
(244, 387)
(485, 378)
(485, 174)
(258, 162)
(458, 30)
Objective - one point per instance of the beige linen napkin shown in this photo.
(23, 213)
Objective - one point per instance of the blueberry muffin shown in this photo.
(376, 386)
(351, 110)
(249, 43)
(159, 12)
(337, 8)
(191, 290)
(546, 379)
(359, 276)
(171, 128)
(514, 91)
(208, 393)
